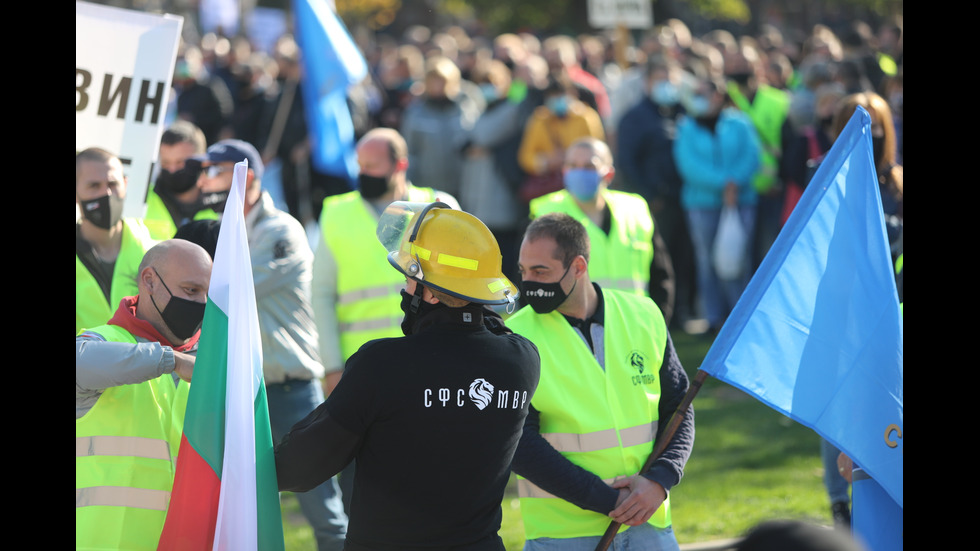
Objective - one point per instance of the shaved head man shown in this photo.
(131, 388)
(173, 288)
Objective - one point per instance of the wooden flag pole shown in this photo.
(665, 438)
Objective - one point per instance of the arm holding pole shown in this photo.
(663, 440)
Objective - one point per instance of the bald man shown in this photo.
(348, 222)
(131, 378)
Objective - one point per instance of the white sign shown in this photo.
(609, 14)
(124, 63)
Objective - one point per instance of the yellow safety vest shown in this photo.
(768, 112)
(887, 64)
(622, 259)
(159, 221)
(604, 420)
(91, 307)
(125, 457)
(368, 288)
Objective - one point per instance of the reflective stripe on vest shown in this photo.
(368, 287)
(125, 457)
(356, 295)
(603, 439)
(622, 259)
(121, 496)
(616, 434)
(91, 307)
(136, 446)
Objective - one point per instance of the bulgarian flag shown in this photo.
(225, 494)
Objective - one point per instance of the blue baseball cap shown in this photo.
(235, 151)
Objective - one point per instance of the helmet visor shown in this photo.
(454, 253)
(400, 222)
(398, 227)
(395, 222)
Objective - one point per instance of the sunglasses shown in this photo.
(214, 170)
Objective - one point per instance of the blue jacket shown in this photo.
(708, 160)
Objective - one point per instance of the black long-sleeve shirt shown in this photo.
(432, 419)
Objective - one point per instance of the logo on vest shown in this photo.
(480, 392)
(638, 361)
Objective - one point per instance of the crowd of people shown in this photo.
(487, 119)
(594, 176)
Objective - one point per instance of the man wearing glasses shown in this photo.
(282, 269)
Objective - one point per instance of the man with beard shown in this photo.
(610, 381)
(108, 248)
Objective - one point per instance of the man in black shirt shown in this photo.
(433, 418)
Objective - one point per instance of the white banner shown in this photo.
(124, 63)
(609, 14)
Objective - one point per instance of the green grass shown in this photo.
(749, 464)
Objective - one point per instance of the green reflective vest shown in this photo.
(887, 64)
(159, 221)
(125, 457)
(602, 419)
(622, 259)
(899, 266)
(768, 112)
(91, 307)
(368, 287)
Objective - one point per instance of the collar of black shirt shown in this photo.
(598, 317)
(470, 315)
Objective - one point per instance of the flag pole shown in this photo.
(662, 442)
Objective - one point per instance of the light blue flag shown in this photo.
(331, 64)
(818, 334)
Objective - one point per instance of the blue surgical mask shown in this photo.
(558, 105)
(489, 92)
(582, 183)
(697, 106)
(664, 93)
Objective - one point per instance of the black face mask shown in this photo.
(415, 309)
(214, 200)
(183, 317)
(545, 297)
(439, 102)
(181, 180)
(104, 212)
(741, 78)
(372, 187)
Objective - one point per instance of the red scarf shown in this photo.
(125, 317)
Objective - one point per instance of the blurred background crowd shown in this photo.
(472, 85)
